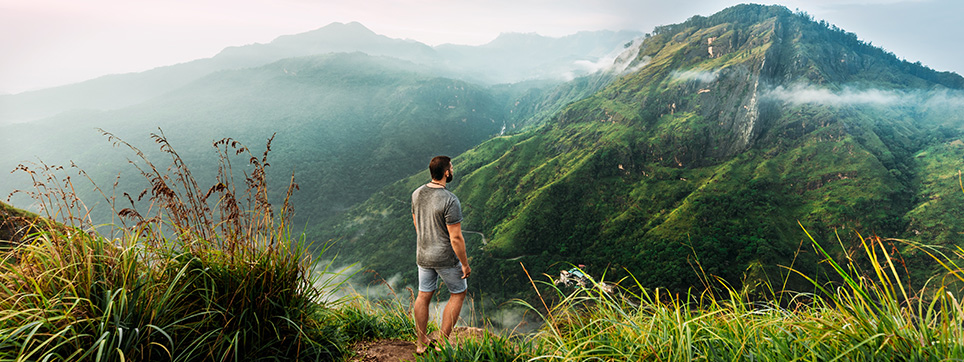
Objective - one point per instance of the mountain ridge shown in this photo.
(120, 90)
(693, 164)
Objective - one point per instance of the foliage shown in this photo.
(868, 313)
(205, 274)
(337, 116)
(691, 160)
(494, 348)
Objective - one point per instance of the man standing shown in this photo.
(437, 215)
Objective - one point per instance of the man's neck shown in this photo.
(440, 184)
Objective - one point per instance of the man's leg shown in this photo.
(420, 311)
(451, 313)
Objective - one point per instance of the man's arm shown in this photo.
(414, 222)
(458, 245)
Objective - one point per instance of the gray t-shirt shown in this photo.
(434, 209)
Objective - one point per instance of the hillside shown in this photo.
(730, 129)
(346, 125)
(326, 112)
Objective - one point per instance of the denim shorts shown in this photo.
(452, 277)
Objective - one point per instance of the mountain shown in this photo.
(726, 132)
(118, 91)
(333, 38)
(346, 124)
(562, 55)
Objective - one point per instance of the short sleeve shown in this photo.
(453, 213)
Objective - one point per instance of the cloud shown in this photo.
(943, 99)
(946, 104)
(695, 75)
(625, 61)
(337, 283)
(620, 61)
(804, 94)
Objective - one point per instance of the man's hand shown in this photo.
(466, 270)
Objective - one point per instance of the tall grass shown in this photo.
(216, 274)
(868, 313)
(205, 274)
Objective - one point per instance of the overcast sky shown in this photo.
(46, 43)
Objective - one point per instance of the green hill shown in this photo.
(346, 125)
(731, 129)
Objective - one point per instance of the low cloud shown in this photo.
(695, 75)
(938, 100)
(621, 61)
(346, 282)
(943, 99)
(803, 94)
(341, 282)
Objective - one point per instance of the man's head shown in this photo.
(441, 167)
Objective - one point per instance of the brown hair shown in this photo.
(438, 166)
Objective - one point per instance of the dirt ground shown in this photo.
(392, 350)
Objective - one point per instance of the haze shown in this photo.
(48, 43)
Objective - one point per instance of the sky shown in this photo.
(46, 43)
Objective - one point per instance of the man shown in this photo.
(437, 215)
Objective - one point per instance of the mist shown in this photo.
(344, 282)
(695, 75)
(942, 99)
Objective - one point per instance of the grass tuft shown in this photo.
(204, 274)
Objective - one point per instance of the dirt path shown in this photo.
(392, 350)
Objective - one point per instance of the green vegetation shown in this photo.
(685, 180)
(868, 314)
(214, 274)
(347, 125)
(696, 159)
(208, 274)
(71, 295)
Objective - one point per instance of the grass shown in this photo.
(216, 274)
(205, 274)
(867, 313)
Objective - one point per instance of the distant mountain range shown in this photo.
(511, 58)
(362, 99)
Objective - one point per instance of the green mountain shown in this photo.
(727, 131)
(346, 125)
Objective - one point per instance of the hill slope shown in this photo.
(732, 128)
(327, 112)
